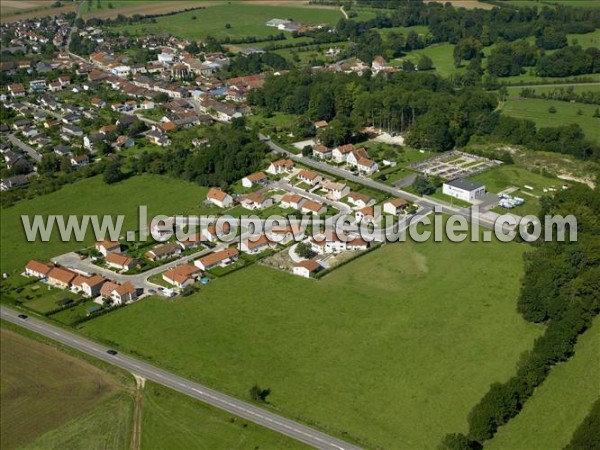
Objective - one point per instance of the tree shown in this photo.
(227, 26)
(304, 250)
(112, 172)
(552, 110)
(258, 394)
(425, 63)
(423, 185)
(307, 150)
(458, 441)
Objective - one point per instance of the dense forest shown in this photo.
(436, 116)
(229, 157)
(561, 288)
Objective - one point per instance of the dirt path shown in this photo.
(136, 438)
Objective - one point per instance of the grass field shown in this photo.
(162, 195)
(246, 19)
(515, 90)
(560, 404)
(174, 421)
(43, 388)
(367, 351)
(108, 426)
(540, 3)
(566, 114)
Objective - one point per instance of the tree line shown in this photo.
(561, 288)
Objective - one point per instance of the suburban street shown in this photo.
(33, 154)
(422, 202)
(221, 401)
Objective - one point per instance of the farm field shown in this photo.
(566, 114)
(560, 404)
(540, 4)
(174, 421)
(419, 327)
(162, 195)
(246, 19)
(43, 388)
(15, 10)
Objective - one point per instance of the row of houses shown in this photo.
(89, 286)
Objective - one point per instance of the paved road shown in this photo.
(429, 202)
(221, 401)
(74, 28)
(26, 148)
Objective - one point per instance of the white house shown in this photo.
(255, 245)
(37, 269)
(340, 154)
(359, 200)
(395, 206)
(119, 261)
(321, 152)
(105, 247)
(368, 214)
(219, 198)
(463, 189)
(254, 200)
(255, 178)
(306, 268)
(220, 258)
(293, 201)
(280, 166)
(309, 177)
(336, 191)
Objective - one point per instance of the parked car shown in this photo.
(22, 316)
(112, 352)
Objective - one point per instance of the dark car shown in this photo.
(112, 352)
(22, 316)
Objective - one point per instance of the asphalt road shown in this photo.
(221, 401)
(33, 154)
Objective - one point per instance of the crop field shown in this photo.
(244, 19)
(43, 388)
(105, 9)
(566, 114)
(15, 10)
(174, 421)
(560, 404)
(363, 351)
(162, 195)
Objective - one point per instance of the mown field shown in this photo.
(161, 195)
(367, 351)
(560, 404)
(566, 113)
(174, 421)
(43, 388)
(245, 19)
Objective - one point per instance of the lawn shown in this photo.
(365, 353)
(174, 421)
(43, 388)
(566, 114)
(245, 20)
(560, 404)
(162, 195)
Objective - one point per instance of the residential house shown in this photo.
(163, 251)
(336, 191)
(353, 156)
(254, 200)
(72, 130)
(189, 242)
(216, 259)
(60, 278)
(255, 245)
(124, 142)
(213, 231)
(319, 125)
(181, 276)
(158, 138)
(119, 294)
(312, 207)
(105, 247)
(280, 166)
(340, 153)
(219, 198)
(90, 286)
(13, 182)
(368, 214)
(321, 152)
(366, 166)
(395, 206)
(292, 201)
(120, 261)
(255, 178)
(37, 269)
(359, 200)
(309, 177)
(80, 160)
(306, 268)
(324, 245)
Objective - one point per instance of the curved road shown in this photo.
(221, 401)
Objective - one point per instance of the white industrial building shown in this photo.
(463, 189)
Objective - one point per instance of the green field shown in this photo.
(107, 426)
(174, 421)
(162, 195)
(542, 3)
(43, 388)
(367, 351)
(515, 90)
(566, 114)
(245, 20)
(560, 404)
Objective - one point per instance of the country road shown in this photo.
(214, 398)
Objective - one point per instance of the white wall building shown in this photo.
(463, 189)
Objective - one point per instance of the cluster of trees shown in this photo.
(586, 436)
(233, 153)
(572, 60)
(563, 94)
(568, 139)
(256, 63)
(509, 59)
(561, 287)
